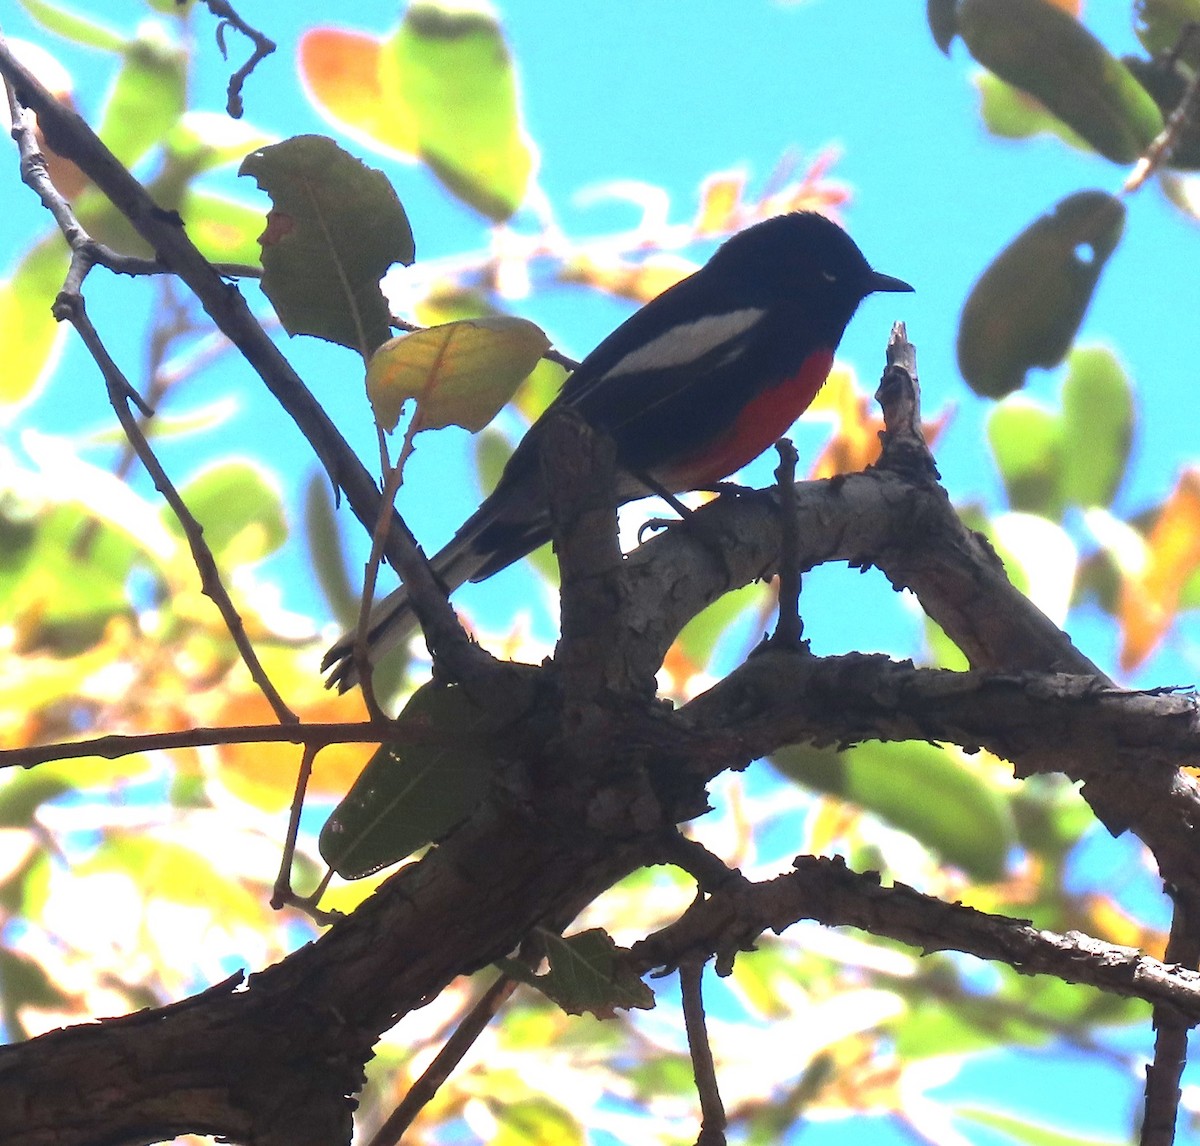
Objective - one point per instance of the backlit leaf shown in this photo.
(74, 27)
(1160, 23)
(1098, 420)
(340, 71)
(448, 68)
(930, 792)
(147, 98)
(28, 331)
(240, 507)
(1027, 443)
(1149, 599)
(1029, 1132)
(459, 373)
(1013, 114)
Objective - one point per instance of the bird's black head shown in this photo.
(802, 256)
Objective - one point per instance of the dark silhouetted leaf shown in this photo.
(942, 16)
(411, 794)
(335, 228)
(1026, 307)
(585, 975)
(1042, 50)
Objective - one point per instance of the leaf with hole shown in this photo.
(334, 229)
(585, 975)
(1026, 307)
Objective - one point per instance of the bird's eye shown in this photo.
(829, 276)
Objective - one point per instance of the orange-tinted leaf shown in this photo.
(340, 70)
(1149, 600)
(855, 442)
(264, 775)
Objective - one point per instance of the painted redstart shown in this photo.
(690, 388)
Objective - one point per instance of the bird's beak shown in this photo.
(887, 283)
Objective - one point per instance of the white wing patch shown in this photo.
(688, 341)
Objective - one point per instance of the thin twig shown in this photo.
(113, 747)
(263, 47)
(71, 307)
(282, 892)
(451, 1054)
(707, 868)
(1163, 146)
(712, 1109)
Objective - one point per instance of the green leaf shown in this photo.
(71, 26)
(28, 331)
(459, 373)
(931, 793)
(148, 97)
(698, 639)
(1098, 419)
(25, 983)
(41, 563)
(1050, 817)
(239, 505)
(1159, 24)
(203, 140)
(211, 416)
(947, 1016)
(327, 551)
(1044, 51)
(225, 230)
(22, 793)
(412, 793)
(1029, 1132)
(1027, 443)
(1011, 114)
(536, 1122)
(448, 70)
(335, 228)
(585, 975)
(1026, 307)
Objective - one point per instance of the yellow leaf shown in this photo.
(1150, 598)
(639, 282)
(460, 373)
(720, 198)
